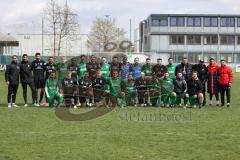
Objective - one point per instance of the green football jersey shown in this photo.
(129, 86)
(171, 69)
(105, 69)
(147, 69)
(116, 84)
(52, 85)
(62, 70)
(82, 69)
(167, 85)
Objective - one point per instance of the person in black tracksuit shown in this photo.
(69, 87)
(38, 68)
(180, 88)
(92, 67)
(159, 69)
(26, 77)
(185, 68)
(12, 80)
(202, 70)
(195, 89)
(98, 88)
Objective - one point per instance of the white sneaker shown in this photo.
(75, 107)
(14, 105)
(90, 104)
(9, 105)
(79, 105)
(26, 105)
(36, 105)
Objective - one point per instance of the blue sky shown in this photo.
(22, 15)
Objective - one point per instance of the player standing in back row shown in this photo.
(38, 68)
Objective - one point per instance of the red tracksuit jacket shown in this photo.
(225, 75)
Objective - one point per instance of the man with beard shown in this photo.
(38, 67)
(115, 65)
(26, 77)
(136, 69)
(82, 66)
(52, 90)
(130, 91)
(62, 69)
(195, 89)
(171, 68)
(147, 68)
(213, 86)
(159, 69)
(92, 67)
(49, 68)
(70, 90)
(105, 74)
(85, 90)
(185, 68)
(125, 69)
(12, 80)
(98, 86)
(73, 66)
(167, 93)
(180, 88)
(225, 78)
(202, 71)
(117, 90)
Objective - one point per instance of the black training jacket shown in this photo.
(12, 73)
(180, 85)
(194, 87)
(26, 74)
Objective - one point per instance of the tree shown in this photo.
(62, 24)
(104, 31)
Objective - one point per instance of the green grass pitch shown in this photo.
(211, 133)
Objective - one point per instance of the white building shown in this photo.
(8, 44)
(195, 36)
(32, 43)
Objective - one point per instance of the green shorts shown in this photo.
(166, 97)
(193, 101)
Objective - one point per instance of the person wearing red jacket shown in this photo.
(225, 79)
(213, 88)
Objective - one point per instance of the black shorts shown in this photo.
(39, 84)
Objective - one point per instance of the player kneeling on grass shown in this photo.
(130, 91)
(180, 88)
(195, 89)
(98, 88)
(52, 90)
(85, 90)
(168, 95)
(70, 87)
(142, 90)
(117, 90)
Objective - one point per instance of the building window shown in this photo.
(194, 21)
(177, 39)
(238, 22)
(211, 40)
(210, 21)
(229, 40)
(228, 22)
(194, 39)
(163, 21)
(238, 40)
(177, 21)
(155, 22)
